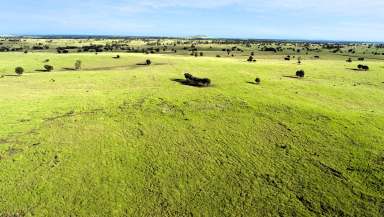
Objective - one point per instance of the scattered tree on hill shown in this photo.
(78, 64)
(194, 81)
(148, 62)
(48, 68)
(257, 80)
(349, 60)
(363, 67)
(300, 73)
(19, 70)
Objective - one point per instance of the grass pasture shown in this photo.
(121, 139)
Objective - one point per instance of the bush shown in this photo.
(48, 68)
(257, 80)
(194, 81)
(363, 67)
(19, 70)
(349, 60)
(300, 73)
(148, 62)
(361, 58)
(250, 59)
(78, 64)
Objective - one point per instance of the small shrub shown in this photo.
(48, 68)
(257, 80)
(148, 62)
(300, 73)
(363, 67)
(194, 81)
(19, 70)
(250, 59)
(78, 64)
(349, 60)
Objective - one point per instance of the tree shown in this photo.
(78, 64)
(148, 62)
(48, 68)
(257, 80)
(19, 70)
(300, 73)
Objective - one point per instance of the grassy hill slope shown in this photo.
(117, 139)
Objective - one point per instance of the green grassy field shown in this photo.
(119, 139)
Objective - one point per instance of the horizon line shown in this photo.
(199, 37)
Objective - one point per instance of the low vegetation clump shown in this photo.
(300, 73)
(148, 62)
(257, 80)
(363, 67)
(19, 70)
(195, 81)
(251, 59)
(78, 64)
(48, 68)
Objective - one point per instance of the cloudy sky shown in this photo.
(278, 19)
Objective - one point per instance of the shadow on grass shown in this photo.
(68, 69)
(41, 70)
(356, 70)
(10, 76)
(291, 76)
(252, 82)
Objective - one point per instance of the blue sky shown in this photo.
(278, 19)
